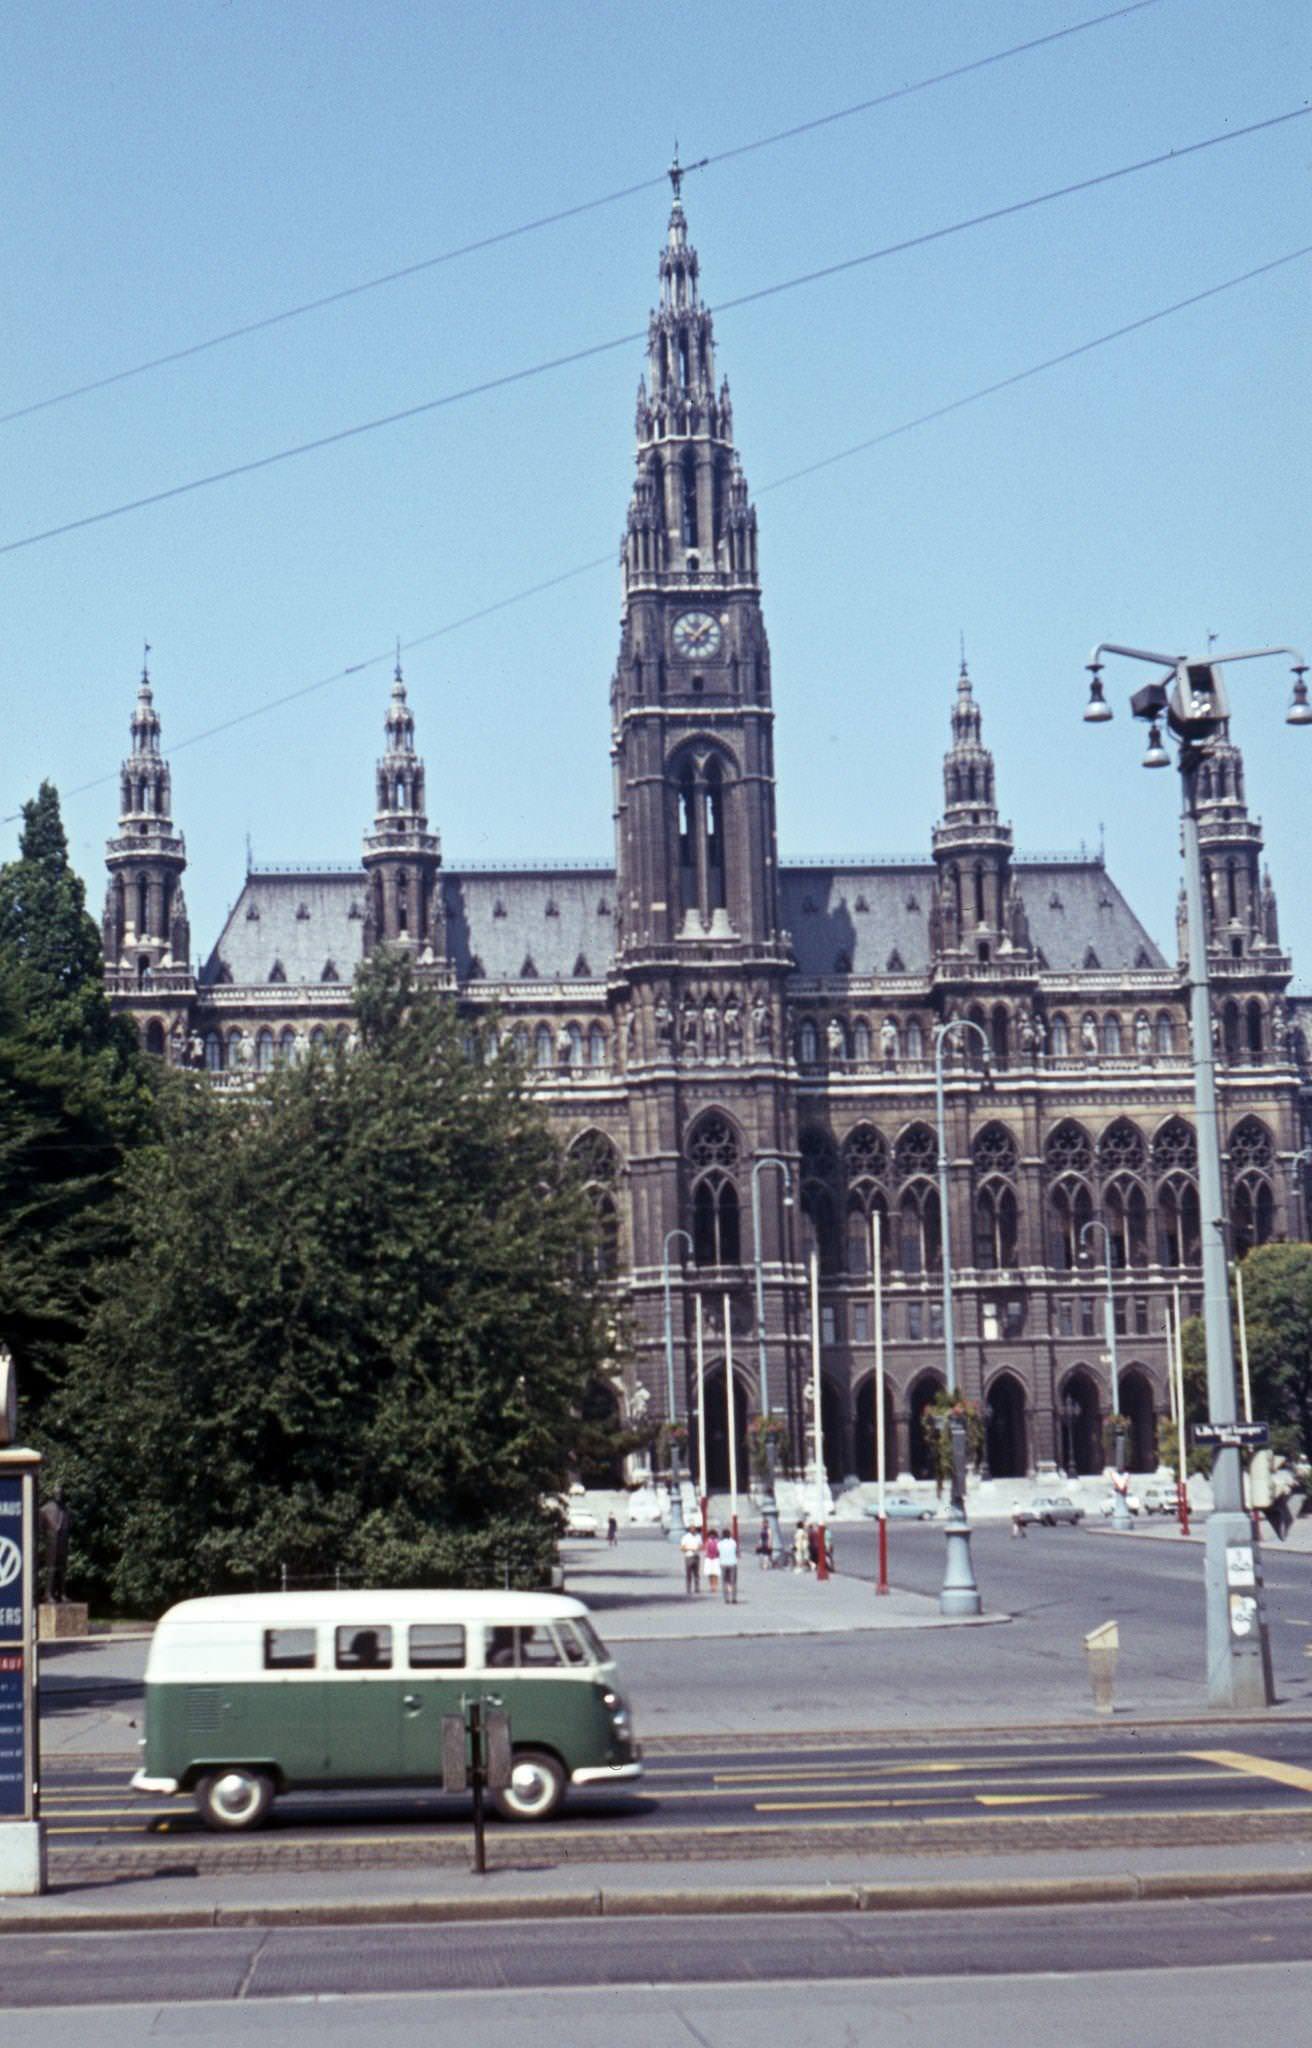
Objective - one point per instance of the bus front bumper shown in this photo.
(142, 1783)
(605, 1774)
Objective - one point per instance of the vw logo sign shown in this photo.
(11, 1562)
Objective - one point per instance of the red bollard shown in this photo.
(881, 1581)
(822, 1557)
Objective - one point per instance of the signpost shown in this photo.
(1233, 1436)
(22, 1837)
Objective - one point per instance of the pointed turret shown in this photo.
(978, 908)
(145, 930)
(401, 856)
(1231, 844)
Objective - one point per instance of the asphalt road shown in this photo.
(695, 1797)
(1057, 1584)
(263, 1967)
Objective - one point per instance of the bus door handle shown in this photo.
(412, 1703)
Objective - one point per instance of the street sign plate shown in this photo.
(1233, 1436)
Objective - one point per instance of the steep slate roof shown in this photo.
(556, 918)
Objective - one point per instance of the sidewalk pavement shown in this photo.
(636, 1593)
(870, 1881)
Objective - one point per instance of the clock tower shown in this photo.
(700, 959)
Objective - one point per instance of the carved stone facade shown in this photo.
(695, 1014)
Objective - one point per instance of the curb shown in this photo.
(963, 1895)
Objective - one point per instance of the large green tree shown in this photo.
(73, 1097)
(351, 1330)
(1278, 1314)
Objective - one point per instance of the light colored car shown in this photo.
(1107, 1505)
(900, 1507)
(581, 1521)
(1050, 1509)
(1159, 1500)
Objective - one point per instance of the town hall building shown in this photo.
(741, 1055)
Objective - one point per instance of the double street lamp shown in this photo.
(960, 1592)
(769, 1505)
(671, 1413)
(1193, 707)
(1120, 1505)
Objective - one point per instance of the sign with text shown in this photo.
(16, 1731)
(1233, 1436)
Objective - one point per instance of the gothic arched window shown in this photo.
(1165, 1032)
(1111, 1035)
(1060, 1032)
(286, 1046)
(995, 1159)
(596, 1161)
(543, 1046)
(213, 1052)
(808, 1043)
(713, 1155)
(264, 1051)
(596, 1045)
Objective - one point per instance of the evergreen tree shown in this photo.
(352, 1328)
(73, 1095)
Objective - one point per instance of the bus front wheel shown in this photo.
(235, 1798)
(536, 1788)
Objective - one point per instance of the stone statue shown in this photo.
(664, 1021)
(888, 1041)
(733, 1027)
(1279, 1029)
(688, 1026)
(835, 1040)
(1143, 1036)
(710, 1029)
(1040, 1035)
(1089, 1036)
(762, 1030)
(630, 1039)
(1026, 1033)
(55, 1523)
(563, 1046)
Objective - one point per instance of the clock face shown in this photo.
(696, 636)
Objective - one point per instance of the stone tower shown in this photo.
(402, 858)
(701, 960)
(978, 916)
(144, 930)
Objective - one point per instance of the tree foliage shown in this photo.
(74, 1094)
(352, 1329)
(1278, 1314)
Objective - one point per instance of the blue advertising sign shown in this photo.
(15, 1764)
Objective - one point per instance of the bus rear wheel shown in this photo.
(536, 1788)
(234, 1798)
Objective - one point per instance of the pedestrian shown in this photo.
(813, 1548)
(729, 1566)
(764, 1547)
(612, 1531)
(801, 1549)
(1017, 1523)
(711, 1552)
(690, 1543)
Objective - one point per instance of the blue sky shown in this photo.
(172, 170)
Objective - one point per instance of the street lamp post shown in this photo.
(959, 1593)
(676, 1477)
(769, 1505)
(1120, 1506)
(1195, 711)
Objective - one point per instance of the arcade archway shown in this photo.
(922, 1395)
(1006, 1434)
(1138, 1408)
(717, 1433)
(1079, 1413)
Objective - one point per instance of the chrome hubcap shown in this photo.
(530, 1784)
(235, 1795)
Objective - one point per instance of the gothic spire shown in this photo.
(145, 912)
(690, 514)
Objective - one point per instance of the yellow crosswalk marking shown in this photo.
(1257, 1767)
(923, 1799)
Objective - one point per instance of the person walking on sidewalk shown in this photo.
(801, 1549)
(764, 1547)
(690, 1543)
(729, 1566)
(712, 1556)
(612, 1531)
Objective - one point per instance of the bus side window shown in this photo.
(364, 1649)
(538, 1646)
(289, 1649)
(574, 1650)
(499, 1648)
(437, 1646)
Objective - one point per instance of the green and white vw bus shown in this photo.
(264, 1693)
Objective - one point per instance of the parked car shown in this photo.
(900, 1507)
(581, 1521)
(1132, 1502)
(1049, 1509)
(1159, 1500)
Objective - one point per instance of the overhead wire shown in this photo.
(554, 219)
(511, 377)
(774, 484)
